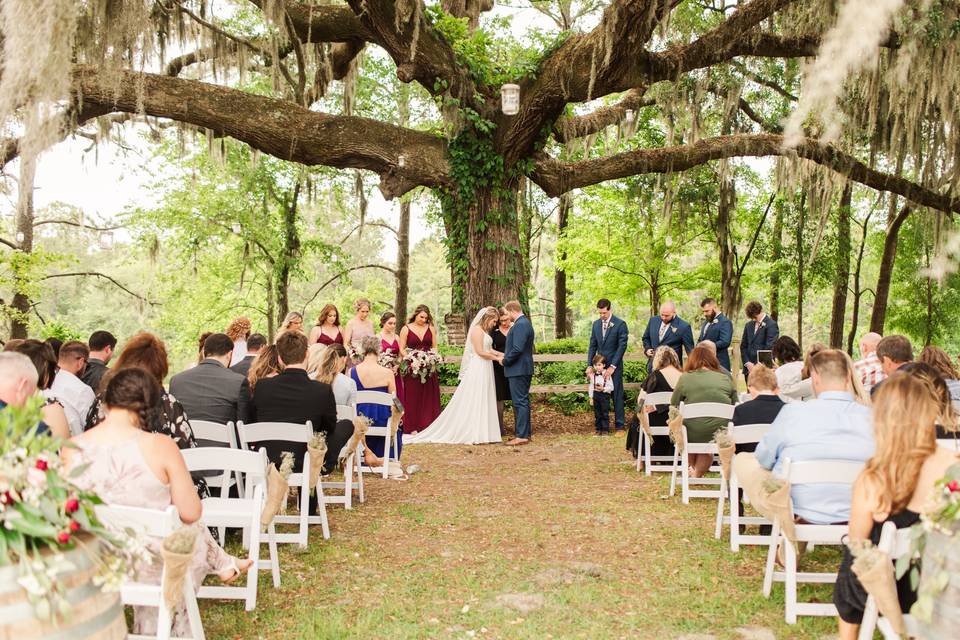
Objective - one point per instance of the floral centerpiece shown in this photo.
(44, 517)
(421, 364)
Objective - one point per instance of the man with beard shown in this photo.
(718, 329)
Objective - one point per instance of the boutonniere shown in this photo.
(715, 321)
(674, 329)
(763, 324)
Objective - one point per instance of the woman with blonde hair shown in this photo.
(292, 322)
(266, 365)
(940, 360)
(238, 331)
(327, 329)
(359, 326)
(894, 485)
(666, 372)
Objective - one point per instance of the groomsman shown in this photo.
(609, 338)
(667, 330)
(759, 334)
(718, 329)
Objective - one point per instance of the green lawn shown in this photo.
(558, 539)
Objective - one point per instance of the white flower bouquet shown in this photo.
(421, 364)
(389, 359)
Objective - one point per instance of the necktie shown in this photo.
(605, 325)
(663, 330)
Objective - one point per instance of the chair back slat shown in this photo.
(949, 443)
(375, 397)
(214, 432)
(706, 410)
(660, 397)
(274, 431)
(150, 522)
(822, 471)
(748, 433)
(221, 459)
(346, 412)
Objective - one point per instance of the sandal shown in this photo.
(234, 569)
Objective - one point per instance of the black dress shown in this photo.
(849, 595)
(499, 380)
(661, 445)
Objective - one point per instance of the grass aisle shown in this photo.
(558, 539)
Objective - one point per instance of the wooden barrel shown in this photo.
(94, 614)
(941, 554)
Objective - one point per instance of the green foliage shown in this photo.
(60, 331)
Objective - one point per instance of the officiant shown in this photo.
(667, 330)
(609, 338)
(718, 329)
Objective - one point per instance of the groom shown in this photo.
(518, 369)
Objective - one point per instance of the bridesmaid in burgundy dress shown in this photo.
(327, 329)
(422, 399)
(390, 344)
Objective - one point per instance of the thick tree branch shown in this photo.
(315, 22)
(274, 126)
(97, 274)
(74, 223)
(573, 127)
(556, 177)
(9, 243)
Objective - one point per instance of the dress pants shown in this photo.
(601, 411)
(520, 394)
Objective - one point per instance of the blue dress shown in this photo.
(379, 415)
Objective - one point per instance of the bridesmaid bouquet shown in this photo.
(389, 359)
(422, 364)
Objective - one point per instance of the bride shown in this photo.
(471, 415)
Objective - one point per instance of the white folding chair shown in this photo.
(158, 524)
(949, 443)
(807, 473)
(391, 449)
(215, 434)
(730, 487)
(686, 448)
(352, 476)
(895, 543)
(652, 400)
(253, 434)
(238, 513)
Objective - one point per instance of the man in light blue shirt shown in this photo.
(833, 426)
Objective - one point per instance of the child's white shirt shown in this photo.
(597, 379)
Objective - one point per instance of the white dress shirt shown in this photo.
(75, 396)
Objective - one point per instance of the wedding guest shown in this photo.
(422, 399)
(41, 355)
(11, 345)
(765, 403)
(804, 390)
(359, 326)
(609, 336)
(939, 360)
(293, 321)
(869, 367)
(499, 335)
(327, 329)
(389, 343)
(669, 330)
(101, 345)
(894, 486)
(202, 339)
(18, 381)
(789, 359)
(255, 343)
(709, 344)
(291, 396)
(266, 365)
(210, 391)
(893, 352)
(666, 373)
(370, 376)
(126, 465)
(937, 386)
(68, 389)
(599, 390)
(330, 368)
(55, 344)
(718, 329)
(703, 381)
(759, 334)
(832, 426)
(238, 332)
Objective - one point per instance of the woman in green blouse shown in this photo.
(703, 381)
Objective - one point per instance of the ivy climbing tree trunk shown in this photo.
(403, 263)
(776, 256)
(841, 279)
(22, 280)
(730, 292)
(887, 259)
(561, 320)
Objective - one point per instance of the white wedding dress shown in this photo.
(471, 415)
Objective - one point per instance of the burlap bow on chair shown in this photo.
(277, 489)
(874, 569)
(176, 550)
(317, 450)
(645, 422)
(360, 426)
(675, 423)
(726, 448)
(768, 495)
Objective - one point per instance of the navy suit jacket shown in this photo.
(754, 341)
(679, 337)
(613, 346)
(720, 332)
(518, 357)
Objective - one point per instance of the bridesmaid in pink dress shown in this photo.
(390, 344)
(359, 326)
(422, 404)
(327, 329)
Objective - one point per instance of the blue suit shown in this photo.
(611, 347)
(679, 337)
(754, 340)
(720, 332)
(518, 369)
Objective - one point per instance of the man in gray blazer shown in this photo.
(210, 391)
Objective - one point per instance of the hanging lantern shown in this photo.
(20, 236)
(510, 99)
(236, 228)
(628, 116)
(106, 240)
(401, 161)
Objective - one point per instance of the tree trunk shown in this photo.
(801, 222)
(561, 320)
(776, 257)
(841, 280)
(289, 253)
(879, 317)
(21, 304)
(857, 291)
(403, 263)
(730, 293)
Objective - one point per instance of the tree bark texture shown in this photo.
(801, 222)
(561, 321)
(841, 280)
(403, 263)
(887, 259)
(775, 257)
(857, 289)
(730, 293)
(21, 303)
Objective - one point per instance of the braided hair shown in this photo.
(135, 390)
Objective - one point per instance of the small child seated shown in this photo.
(599, 389)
